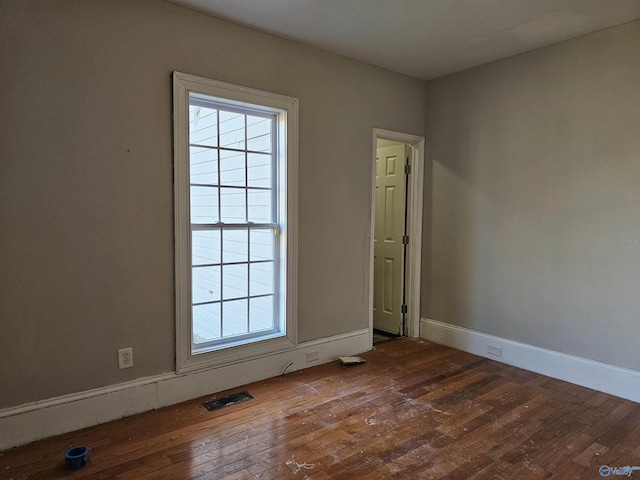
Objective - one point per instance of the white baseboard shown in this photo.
(37, 420)
(618, 381)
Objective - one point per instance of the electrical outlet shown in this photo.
(493, 350)
(313, 356)
(125, 358)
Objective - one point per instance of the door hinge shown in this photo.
(405, 239)
(404, 309)
(407, 169)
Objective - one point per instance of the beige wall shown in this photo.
(534, 178)
(86, 195)
(531, 208)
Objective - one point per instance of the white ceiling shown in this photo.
(424, 38)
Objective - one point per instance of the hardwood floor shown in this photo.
(414, 410)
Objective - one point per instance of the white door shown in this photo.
(388, 249)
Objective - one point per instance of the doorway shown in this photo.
(396, 234)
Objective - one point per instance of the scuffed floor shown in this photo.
(414, 410)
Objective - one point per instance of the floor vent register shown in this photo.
(232, 399)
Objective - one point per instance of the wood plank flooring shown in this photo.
(414, 410)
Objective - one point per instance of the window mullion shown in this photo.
(246, 207)
(220, 306)
(229, 226)
(274, 172)
(275, 208)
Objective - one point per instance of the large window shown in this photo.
(235, 169)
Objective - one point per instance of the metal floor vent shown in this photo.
(232, 399)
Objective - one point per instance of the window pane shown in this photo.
(259, 134)
(262, 244)
(235, 281)
(234, 245)
(235, 318)
(261, 278)
(203, 126)
(232, 168)
(261, 313)
(204, 204)
(258, 170)
(205, 247)
(206, 323)
(233, 208)
(232, 133)
(203, 165)
(259, 208)
(205, 285)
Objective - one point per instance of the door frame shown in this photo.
(414, 227)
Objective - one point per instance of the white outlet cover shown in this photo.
(493, 350)
(313, 356)
(125, 358)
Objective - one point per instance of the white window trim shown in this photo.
(287, 108)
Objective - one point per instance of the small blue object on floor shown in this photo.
(76, 457)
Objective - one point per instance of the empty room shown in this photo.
(319, 239)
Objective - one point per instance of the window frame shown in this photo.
(286, 110)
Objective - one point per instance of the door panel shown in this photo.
(388, 232)
(387, 280)
(375, 282)
(389, 202)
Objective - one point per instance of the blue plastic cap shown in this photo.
(76, 457)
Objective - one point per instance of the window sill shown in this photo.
(213, 358)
